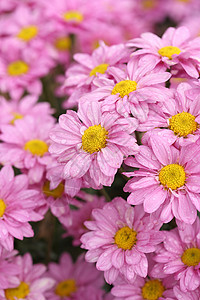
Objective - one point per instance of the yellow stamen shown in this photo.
(152, 290)
(183, 124)
(36, 147)
(94, 139)
(172, 176)
(125, 238)
(149, 4)
(28, 33)
(73, 16)
(17, 68)
(191, 257)
(102, 68)
(66, 288)
(63, 43)
(124, 88)
(55, 193)
(2, 208)
(168, 51)
(16, 116)
(18, 293)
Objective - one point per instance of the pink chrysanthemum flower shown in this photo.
(175, 48)
(17, 205)
(91, 144)
(25, 146)
(119, 238)
(145, 289)
(74, 281)
(77, 15)
(10, 111)
(180, 255)
(9, 271)
(20, 69)
(181, 115)
(82, 214)
(167, 180)
(29, 26)
(88, 67)
(32, 285)
(132, 90)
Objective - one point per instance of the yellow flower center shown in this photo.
(63, 43)
(125, 238)
(172, 176)
(184, 1)
(124, 88)
(152, 289)
(56, 193)
(36, 147)
(73, 16)
(94, 139)
(183, 124)
(16, 116)
(2, 208)
(191, 257)
(149, 4)
(28, 33)
(168, 51)
(65, 288)
(17, 68)
(99, 69)
(18, 293)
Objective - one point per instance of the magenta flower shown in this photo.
(32, 285)
(25, 145)
(133, 89)
(92, 147)
(181, 115)
(74, 281)
(17, 205)
(180, 255)
(119, 238)
(175, 48)
(167, 180)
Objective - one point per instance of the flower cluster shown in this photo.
(116, 174)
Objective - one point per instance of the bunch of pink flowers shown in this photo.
(118, 172)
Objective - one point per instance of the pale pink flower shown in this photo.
(25, 145)
(180, 114)
(29, 26)
(88, 67)
(180, 255)
(76, 15)
(17, 205)
(167, 180)
(11, 110)
(133, 89)
(180, 9)
(8, 270)
(84, 213)
(175, 48)
(92, 144)
(21, 68)
(145, 288)
(119, 238)
(74, 281)
(33, 284)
